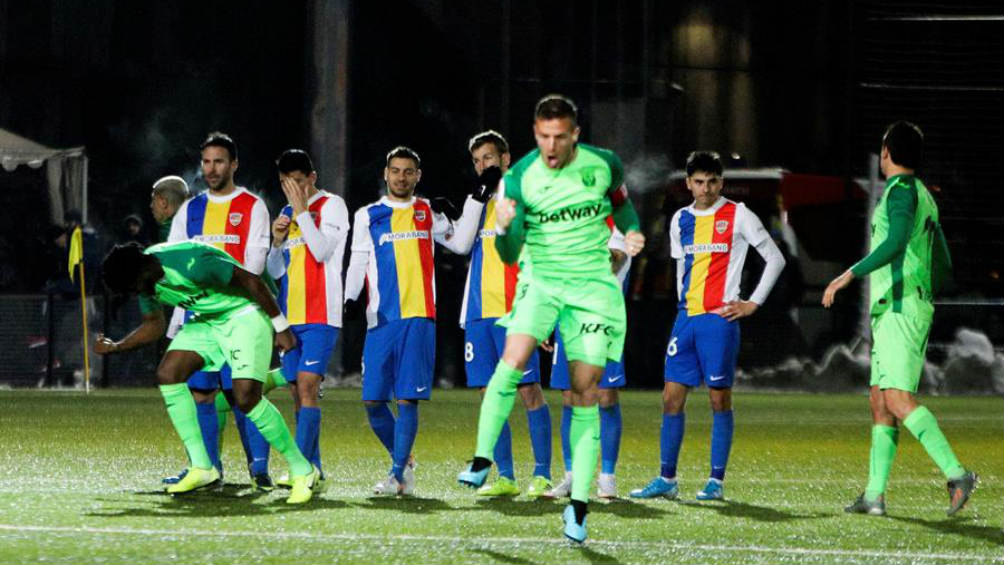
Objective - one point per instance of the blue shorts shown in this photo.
(613, 374)
(484, 342)
(314, 343)
(702, 348)
(399, 357)
(211, 380)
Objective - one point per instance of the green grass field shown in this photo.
(79, 483)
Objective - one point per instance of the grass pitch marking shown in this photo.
(926, 556)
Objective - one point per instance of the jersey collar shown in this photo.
(708, 211)
(395, 204)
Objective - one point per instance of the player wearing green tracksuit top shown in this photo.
(231, 308)
(907, 262)
(556, 202)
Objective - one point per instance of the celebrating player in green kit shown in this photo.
(232, 308)
(556, 199)
(907, 261)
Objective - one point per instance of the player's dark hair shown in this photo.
(220, 139)
(122, 266)
(905, 143)
(556, 106)
(704, 161)
(402, 152)
(489, 136)
(294, 160)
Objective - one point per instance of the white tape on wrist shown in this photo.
(279, 323)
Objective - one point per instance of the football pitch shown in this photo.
(80, 483)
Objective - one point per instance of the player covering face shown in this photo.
(488, 295)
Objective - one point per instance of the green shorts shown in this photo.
(899, 345)
(243, 341)
(589, 313)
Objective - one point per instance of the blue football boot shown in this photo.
(473, 479)
(713, 490)
(573, 530)
(658, 487)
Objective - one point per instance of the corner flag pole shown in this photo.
(77, 258)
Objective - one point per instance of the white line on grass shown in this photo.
(979, 558)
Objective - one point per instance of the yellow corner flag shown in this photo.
(77, 258)
(76, 250)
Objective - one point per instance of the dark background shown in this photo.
(805, 86)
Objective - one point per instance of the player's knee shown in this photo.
(168, 374)
(608, 397)
(515, 359)
(246, 394)
(532, 396)
(308, 388)
(721, 400)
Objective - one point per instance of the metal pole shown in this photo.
(83, 196)
(51, 305)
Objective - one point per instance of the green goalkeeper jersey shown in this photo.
(196, 278)
(561, 214)
(908, 256)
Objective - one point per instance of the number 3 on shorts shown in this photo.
(468, 352)
(671, 348)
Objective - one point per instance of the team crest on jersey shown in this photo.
(721, 226)
(235, 219)
(419, 215)
(588, 177)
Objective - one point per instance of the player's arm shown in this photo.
(150, 329)
(901, 205)
(179, 231)
(362, 246)
(625, 216)
(334, 229)
(275, 264)
(618, 250)
(258, 239)
(751, 229)
(465, 229)
(510, 220)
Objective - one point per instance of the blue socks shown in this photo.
(308, 432)
(503, 452)
(670, 440)
(382, 423)
(256, 447)
(610, 437)
(539, 422)
(722, 426)
(206, 415)
(566, 443)
(405, 430)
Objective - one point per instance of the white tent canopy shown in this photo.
(65, 171)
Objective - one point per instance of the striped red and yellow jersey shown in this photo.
(710, 247)
(399, 240)
(308, 265)
(237, 223)
(491, 284)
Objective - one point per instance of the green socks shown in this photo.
(884, 442)
(584, 437)
(924, 427)
(495, 408)
(181, 409)
(268, 420)
(273, 380)
(222, 408)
